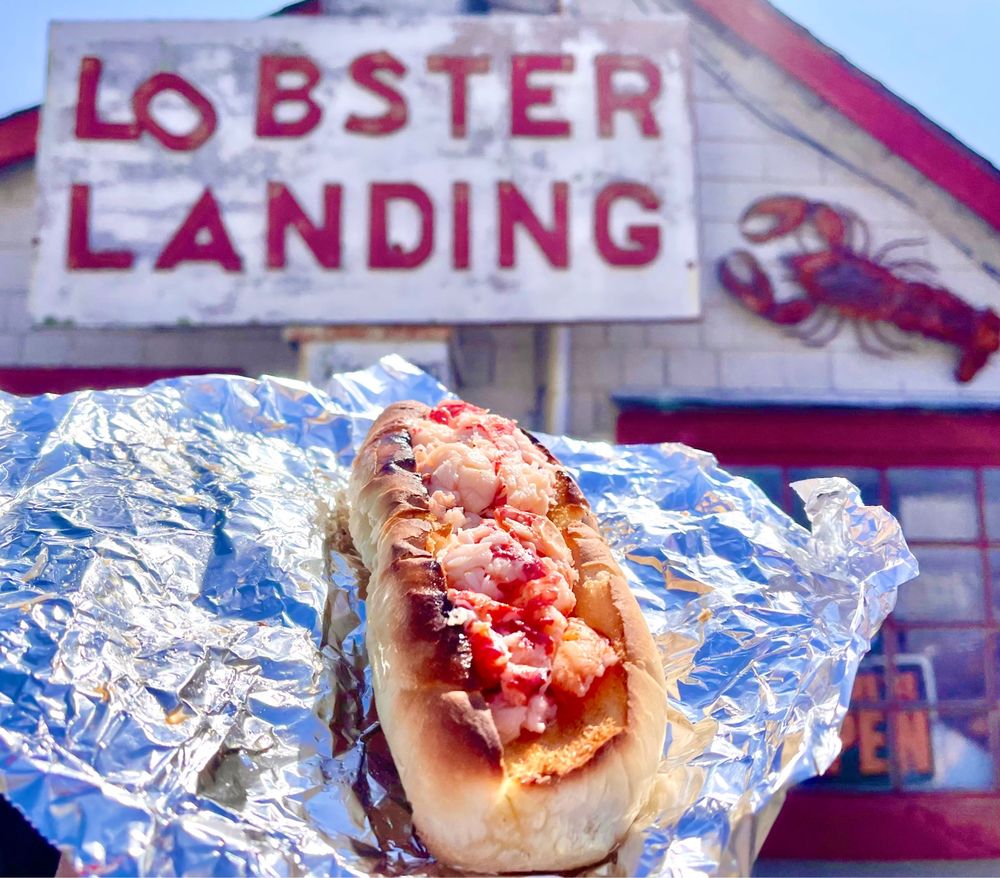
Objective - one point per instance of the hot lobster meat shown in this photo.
(843, 280)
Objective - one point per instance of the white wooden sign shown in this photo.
(426, 170)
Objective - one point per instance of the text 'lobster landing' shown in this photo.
(440, 170)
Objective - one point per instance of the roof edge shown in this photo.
(899, 126)
(19, 130)
(19, 136)
(941, 157)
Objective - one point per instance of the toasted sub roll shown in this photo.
(516, 680)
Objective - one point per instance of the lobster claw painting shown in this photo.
(842, 280)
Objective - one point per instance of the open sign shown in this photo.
(439, 170)
(865, 734)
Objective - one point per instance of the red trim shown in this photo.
(814, 437)
(19, 136)
(303, 7)
(930, 149)
(19, 131)
(934, 152)
(870, 826)
(28, 381)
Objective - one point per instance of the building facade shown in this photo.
(851, 386)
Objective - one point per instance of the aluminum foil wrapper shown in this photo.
(183, 678)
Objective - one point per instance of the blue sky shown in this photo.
(940, 56)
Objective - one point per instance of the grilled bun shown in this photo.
(486, 797)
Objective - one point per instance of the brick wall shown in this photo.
(729, 351)
(496, 367)
(251, 350)
(499, 368)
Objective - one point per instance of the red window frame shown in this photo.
(844, 824)
(33, 381)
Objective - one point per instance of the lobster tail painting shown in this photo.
(843, 280)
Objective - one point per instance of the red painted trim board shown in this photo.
(19, 136)
(19, 131)
(903, 129)
(943, 159)
(28, 381)
(825, 825)
(816, 437)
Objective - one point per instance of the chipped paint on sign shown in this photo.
(422, 170)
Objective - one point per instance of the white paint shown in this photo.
(141, 191)
(504, 377)
(731, 352)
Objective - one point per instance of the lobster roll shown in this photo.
(516, 681)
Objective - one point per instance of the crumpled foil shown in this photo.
(183, 679)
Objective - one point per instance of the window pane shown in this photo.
(878, 644)
(863, 760)
(865, 479)
(995, 576)
(767, 478)
(863, 763)
(991, 481)
(951, 663)
(865, 744)
(958, 747)
(949, 588)
(931, 746)
(935, 504)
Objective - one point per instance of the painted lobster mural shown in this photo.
(843, 280)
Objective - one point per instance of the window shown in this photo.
(924, 695)
(922, 738)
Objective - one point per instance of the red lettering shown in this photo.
(363, 71)
(79, 256)
(458, 68)
(645, 240)
(382, 254)
(89, 125)
(270, 95)
(524, 95)
(514, 211)
(283, 211)
(201, 238)
(162, 82)
(460, 231)
(639, 104)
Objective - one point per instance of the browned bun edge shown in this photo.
(559, 800)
